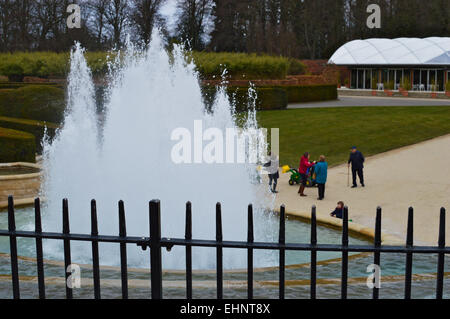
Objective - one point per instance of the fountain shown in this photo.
(128, 158)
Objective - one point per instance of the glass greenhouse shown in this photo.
(408, 63)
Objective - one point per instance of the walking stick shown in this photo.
(348, 176)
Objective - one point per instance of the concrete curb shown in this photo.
(353, 228)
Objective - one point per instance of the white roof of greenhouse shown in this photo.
(401, 51)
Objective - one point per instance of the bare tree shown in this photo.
(144, 16)
(51, 18)
(117, 15)
(193, 16)
(98, 10)
(24, 25)
(6, 23)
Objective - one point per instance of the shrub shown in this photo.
(13, 71)
(243, 66)
(374, 83)
(310, 93)
(16, 146)
(296, 67)
(35, 102)
(447, 86)
(406, 84)
(37, 128)
(389, 85)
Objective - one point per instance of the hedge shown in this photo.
(34, 102)
(269, 98)
(273, 97)
(16, 146)
(36, 128)
(209, 64)
(310, 93)
(44, 64)
(17, 85)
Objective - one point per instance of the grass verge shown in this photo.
(332, 131)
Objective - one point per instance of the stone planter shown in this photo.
(21, 180)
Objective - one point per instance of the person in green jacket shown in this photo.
(321, 170)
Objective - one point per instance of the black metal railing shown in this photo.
(156, 243)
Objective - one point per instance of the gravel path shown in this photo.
(416, 175)
(355, 101)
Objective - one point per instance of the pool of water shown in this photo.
(297, 275)
(296, 232)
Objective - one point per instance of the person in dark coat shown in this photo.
(339, 210)
(357, 160)
(272, 169)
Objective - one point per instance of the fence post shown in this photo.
(13, 248)
(313, 272)
(281, 242)
(188, 237)
(344, 276)
(67, 254)
(39, 250)
(123, 250)
(409, 255)
(250, 240)
(377, 245)
(441, 256)
(155, 249)
(219, 253)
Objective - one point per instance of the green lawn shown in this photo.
(332, 131)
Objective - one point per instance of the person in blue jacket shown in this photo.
(321, 170)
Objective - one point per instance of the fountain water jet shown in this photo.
(129, 158)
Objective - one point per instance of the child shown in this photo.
(339, 211)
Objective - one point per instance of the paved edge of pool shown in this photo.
(353, 228)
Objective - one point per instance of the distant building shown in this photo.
(393, 63)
